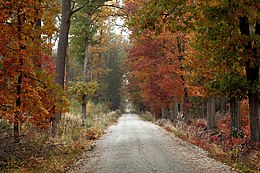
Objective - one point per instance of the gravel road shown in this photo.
(136, 146)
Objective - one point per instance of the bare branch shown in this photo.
(8, 106)
(92, 6)
(11, 48)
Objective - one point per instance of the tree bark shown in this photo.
(235, 122)
(254, 117)
(61, 54)
(175, 109)
(254, 97)
(204, 107)
(63, 42)
(18, 103)
(223, 108)
(211, 114)
(163, 110)
(19, 81)
(84, 76)
(84, 79)
(252, 73)
(186, 106)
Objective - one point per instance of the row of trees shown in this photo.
(33, 85)
(183, 50)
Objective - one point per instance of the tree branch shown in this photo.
(11, 48)
(8, 106)
(93, 6)
(36, 80)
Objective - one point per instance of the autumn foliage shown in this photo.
(205, 54)
(27, 92)
(196, 50)
(155, 64)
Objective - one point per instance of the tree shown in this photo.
(26, 77)
(227, 38)
(222, 38)
(156, 70)
(62, 52)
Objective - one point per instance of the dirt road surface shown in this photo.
(136, 146)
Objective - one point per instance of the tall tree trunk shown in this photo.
(235, 122)
(84, 76)
(181, 49)
(84, 79)
(61, 54)
(19, 81)
(252, 73)
(211, 114)
(254, 101)
(18, 103)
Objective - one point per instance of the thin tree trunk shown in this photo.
(18, 104)
(19, 82)
(186, 106)
(167, 112)
(235, 122)
(84, 109)
(211, 114)
(84, 79)
(84, 76)
(175, 108)
(61, 54)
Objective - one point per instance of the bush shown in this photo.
(147, 116)
(4, 125)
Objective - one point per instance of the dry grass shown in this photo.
(147, 116)
(39, 151)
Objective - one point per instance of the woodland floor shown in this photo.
(134, 145)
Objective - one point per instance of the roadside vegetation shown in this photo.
(238, 153)
(40, 151)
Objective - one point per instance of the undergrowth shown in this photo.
(39, 151)
(146, 116)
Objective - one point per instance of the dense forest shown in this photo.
(69, 66)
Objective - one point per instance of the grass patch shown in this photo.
(147, 116)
